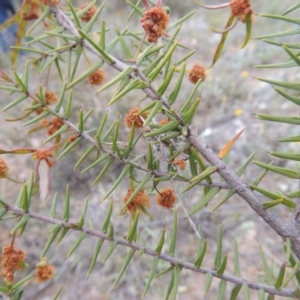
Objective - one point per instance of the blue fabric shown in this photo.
(7, 35)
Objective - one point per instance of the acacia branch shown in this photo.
(241, 188)
(171, 259)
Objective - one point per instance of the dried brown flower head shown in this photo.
(198, 72)
(50, 97)
(50, 2)
(166, 198)
(44, 271)
(141, 199)
(44, 154)
(180, 163)
(97, 78)
(34, 5)
(12, 259)
(30, 16)
(3, 168)
(164, 121)
(55, 125)
(88, 14)
(155, 22)
(240, 8)
(132, 117)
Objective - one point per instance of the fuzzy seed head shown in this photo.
(3, 168)
(155, 22)
(166, 198)
(56, 124)
(50, 97)
(30, 16)
(97, 78)
(42, 154)
(141, 199)
(88, 14)
(132, 117)
(12, 260)
(44, 271)
(180, 163)
(240, 8)
(198, 72)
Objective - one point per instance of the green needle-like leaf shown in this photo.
(283, 171)
(83, 214)
(248, 29)
(246, 292)
(218, 257)
(104, 157)
(236, 271)
(107, 218)
(117, 182)
(222, 266)
(177, 271)
(86, 74)
(20, 225)
(125, 73)
(286, 201)
(173, 95)
(109, 162)
(279, 280)
(205, 200)
(110, 250)
(222, 42)
(201, 254)
(70, 147)
(67, 204)
(133, 230)
(151, 276)
(124, 267)
(268, 273)
(234, 292)
(105, 55)
(77, 243)
(161, 242)
(162, 63)
(170, 287)
(172, 247)
(221, 290)
(88, 151)
(54, 232)
(208, 281)
(95, 256)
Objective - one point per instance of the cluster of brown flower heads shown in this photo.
(155, 22)
(165, 198)
(12, 259)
